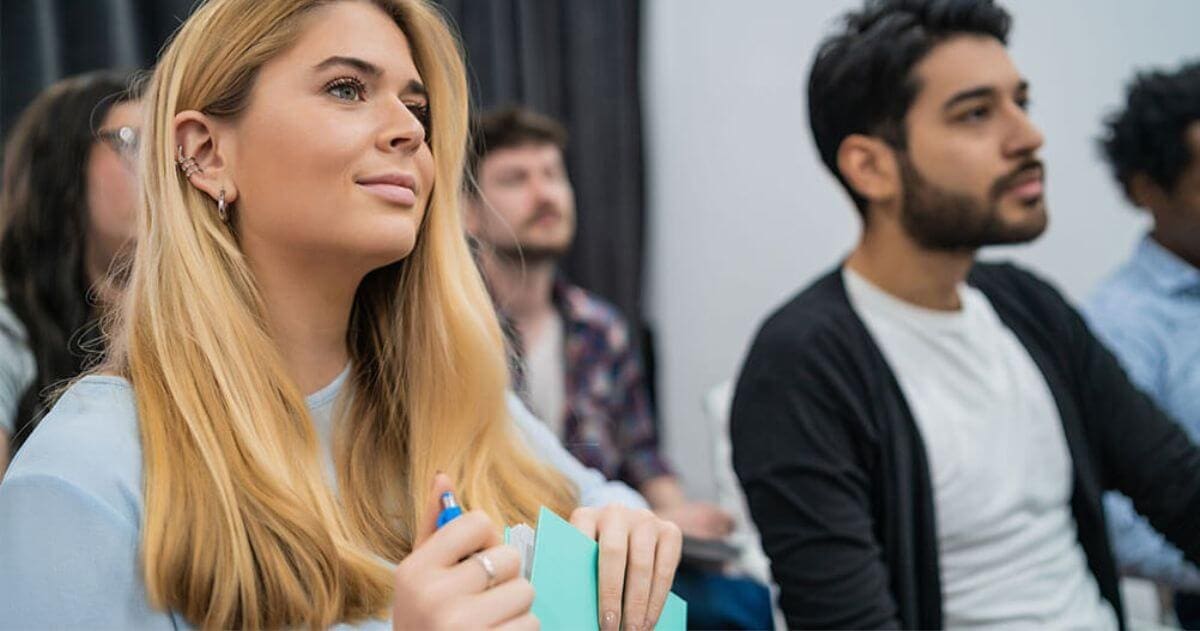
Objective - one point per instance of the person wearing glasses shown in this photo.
(66, 211)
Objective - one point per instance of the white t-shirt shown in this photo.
(545, 374)
(999, 464)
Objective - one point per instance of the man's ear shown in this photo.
(199, 137)
(870, 167)
(1145, 192)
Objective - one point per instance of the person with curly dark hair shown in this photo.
(66, 211)
(1147, 310)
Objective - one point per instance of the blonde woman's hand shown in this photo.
(446, 583)
(638, 556)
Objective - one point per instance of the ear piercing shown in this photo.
(187, 165)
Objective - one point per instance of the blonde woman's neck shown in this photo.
(308, 304)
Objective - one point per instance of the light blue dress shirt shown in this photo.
(71, 510)
(1148, 313)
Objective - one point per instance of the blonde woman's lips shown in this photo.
(394, 188)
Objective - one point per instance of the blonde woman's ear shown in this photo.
(201, 155)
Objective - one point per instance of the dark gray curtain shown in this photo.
(42, 41)
(576, 60)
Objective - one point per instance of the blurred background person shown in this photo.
(577, 364)
(578, 368)
(66, 211)
(1148, 310)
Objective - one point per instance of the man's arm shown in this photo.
(631, 418)
(701, 520)
(1141, 452)
(1139, 550)
(642, 464)
(1144, 553)
(809, 494)
(662, 492)
(594, 489)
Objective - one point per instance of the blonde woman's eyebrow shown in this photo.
(414, 87)
(360, 65)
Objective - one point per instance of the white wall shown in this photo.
(742, 213)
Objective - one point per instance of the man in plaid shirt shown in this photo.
(578, 368)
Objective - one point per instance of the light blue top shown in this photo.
(71, 510)
(1148, 313)
(17, 367)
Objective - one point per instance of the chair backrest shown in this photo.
(752, 562)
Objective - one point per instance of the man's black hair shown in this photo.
(1149, 136)
(862, 80)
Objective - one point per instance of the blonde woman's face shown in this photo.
(330, 158)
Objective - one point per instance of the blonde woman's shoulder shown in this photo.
(88, 443)
(70, 514)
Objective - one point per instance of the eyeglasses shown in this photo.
(123, 140)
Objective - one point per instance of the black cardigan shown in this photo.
(836, 475)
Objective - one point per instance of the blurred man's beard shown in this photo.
(938, 219)
(530, 255)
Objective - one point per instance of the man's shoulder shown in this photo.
(1125, 294)
(817, 321)
(1008, 275)
(1012, 287)
(1130, 315)
(600, 318)
(588, 306)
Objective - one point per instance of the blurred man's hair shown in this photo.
(1149, 136)
(512, 127)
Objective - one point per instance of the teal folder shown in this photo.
(566, 582)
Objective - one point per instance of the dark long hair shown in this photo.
(43, 228)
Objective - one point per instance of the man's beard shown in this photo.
(519, 251)
(530, 255)
(938, 219)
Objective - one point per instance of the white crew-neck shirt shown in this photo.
(546, 374)
(998, 459)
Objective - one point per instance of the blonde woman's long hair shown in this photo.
(241, 530)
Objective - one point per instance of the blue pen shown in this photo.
(450, 510)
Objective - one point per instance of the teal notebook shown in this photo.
(566, 582)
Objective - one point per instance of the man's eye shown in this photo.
(975, 114)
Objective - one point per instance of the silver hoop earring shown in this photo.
(222, 207)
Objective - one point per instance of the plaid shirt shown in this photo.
(607, 424)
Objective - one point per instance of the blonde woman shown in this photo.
(304, 345)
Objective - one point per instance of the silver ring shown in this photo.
(488, 567)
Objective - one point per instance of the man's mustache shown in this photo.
(543, 211)
(1021, 172)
